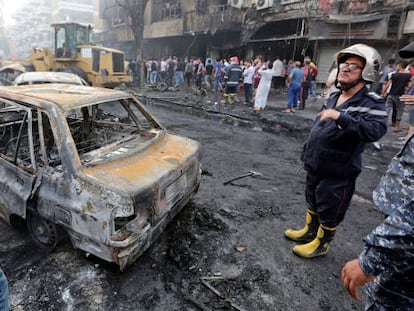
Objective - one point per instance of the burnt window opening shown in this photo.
(201, 7)
(100, 131)
(163, 10)
(204, 7)
(26, 139)
(119, 16)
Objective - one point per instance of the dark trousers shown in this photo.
(304, 94)
(329, 197)
(188, 76)
(248, 92)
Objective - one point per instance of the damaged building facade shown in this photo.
(289, 29)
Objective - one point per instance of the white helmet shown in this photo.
(369, 54)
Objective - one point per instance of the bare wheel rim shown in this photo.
(43, 232)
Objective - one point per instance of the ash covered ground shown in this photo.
(225, 250)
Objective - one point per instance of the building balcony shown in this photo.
(213, 18)
(317, 8)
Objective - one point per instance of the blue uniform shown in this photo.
(4, 292)
(334, 148)
(389, 249)
(332, 154)
(233, 77)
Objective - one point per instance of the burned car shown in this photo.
(92, 164)
(40, 77)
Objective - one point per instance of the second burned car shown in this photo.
(92, 164)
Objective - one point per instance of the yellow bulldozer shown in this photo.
(99, 66)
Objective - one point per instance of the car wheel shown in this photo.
(44, 233)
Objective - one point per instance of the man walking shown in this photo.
(398, 82)
(332, 154)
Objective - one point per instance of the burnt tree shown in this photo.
(135, 10)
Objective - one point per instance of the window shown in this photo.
(165, 10)
(104, 126)
(26, 138)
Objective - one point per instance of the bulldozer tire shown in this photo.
(77, 71)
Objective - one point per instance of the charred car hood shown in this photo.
(162, 161)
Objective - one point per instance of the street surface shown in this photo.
(226, 250)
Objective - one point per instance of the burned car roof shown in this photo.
(64, 96)
(39, 77)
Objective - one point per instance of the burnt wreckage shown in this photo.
(91, 164)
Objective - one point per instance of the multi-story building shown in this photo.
(181, 28)
(5, 48)
(34, 19)
(289, 29)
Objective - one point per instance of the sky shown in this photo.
(9, 7)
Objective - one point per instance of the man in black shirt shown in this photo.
(398, 81)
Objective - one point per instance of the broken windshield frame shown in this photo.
(100, 130)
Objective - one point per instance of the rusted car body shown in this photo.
(92, 164)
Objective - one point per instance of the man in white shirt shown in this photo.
(248, 75)
(278, 78)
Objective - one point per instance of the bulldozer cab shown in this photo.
(73, 52)
(68, 36)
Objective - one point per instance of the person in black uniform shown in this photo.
(351, 117)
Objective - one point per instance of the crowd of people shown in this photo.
(250, 81)
(253, 81)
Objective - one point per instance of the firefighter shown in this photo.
(233, 77)
(332, 153)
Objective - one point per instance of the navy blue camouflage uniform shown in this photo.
(389, 249)
(4, 292)
(333, 150)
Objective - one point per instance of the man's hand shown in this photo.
(407, 99)
(329, 114)
(353, 278)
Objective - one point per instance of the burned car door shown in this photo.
(28, 159)
(17, 171)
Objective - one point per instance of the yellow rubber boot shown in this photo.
(231, 98)
(225, 98)
(308, 232)
(319, 246)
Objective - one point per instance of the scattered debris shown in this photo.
(205, 281)
(241, 248)
(250, 173)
